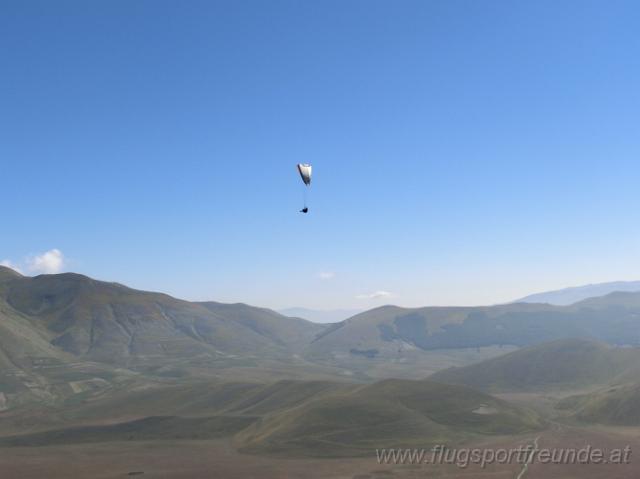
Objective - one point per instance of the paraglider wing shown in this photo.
(305, 173)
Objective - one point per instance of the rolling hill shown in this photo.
(617, 404)
(561, 364)
(298, 418)
(390, 332)
(386, 414)
(153, 428)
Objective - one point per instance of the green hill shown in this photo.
(307, 418)
(389, 331)
(203, 398)
(112, 323)
(68, 335)
(150, 428)
(617, 404)
(557, 364)
(390, 413)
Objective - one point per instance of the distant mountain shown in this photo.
(391, 332)
(65, 334)
(560, 364)
(112, 323)
(320, 315)
(71, 314)
(567, 296)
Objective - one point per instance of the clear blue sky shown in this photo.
(464, 152)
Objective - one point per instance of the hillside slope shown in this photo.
(390, 331)
(72, 319)
(109, 322)
(557, 364)
(617, 404)
(298, 418)
(386, 414)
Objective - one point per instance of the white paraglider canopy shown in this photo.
(305, 172)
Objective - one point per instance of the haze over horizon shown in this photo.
(460, 157)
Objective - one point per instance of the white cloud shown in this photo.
(50, 262)
(9, 264)
(326, 275)
(376, 295)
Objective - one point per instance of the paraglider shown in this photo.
(305, 173)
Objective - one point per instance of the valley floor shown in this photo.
(218, 459)
(201, 459)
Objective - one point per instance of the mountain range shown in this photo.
(111, 323)
(567, 296)
(86, 361)
(66, 317)
(69, 332)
